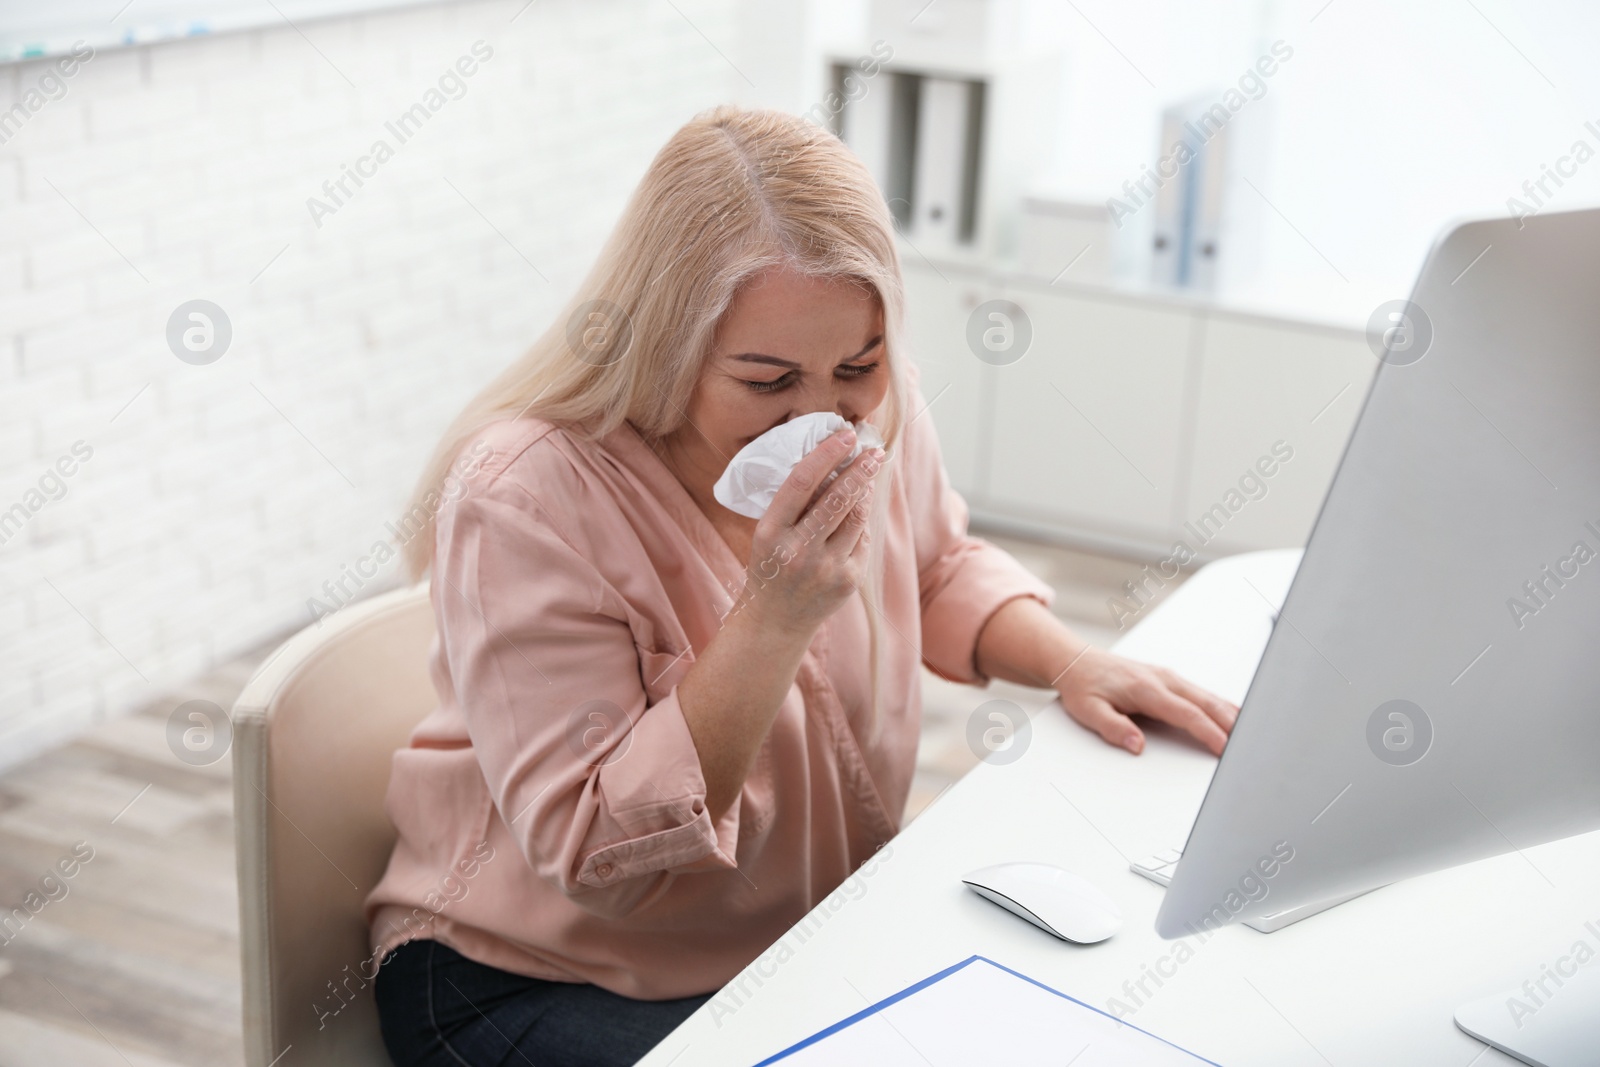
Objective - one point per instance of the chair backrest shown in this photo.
(314, 733)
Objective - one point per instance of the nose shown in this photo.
(829, 397)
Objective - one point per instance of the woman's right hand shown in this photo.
(804, 560)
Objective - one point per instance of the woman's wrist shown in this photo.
(771, 634)
(760, 609)
(1024, 643)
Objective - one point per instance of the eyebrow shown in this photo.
(757, 357)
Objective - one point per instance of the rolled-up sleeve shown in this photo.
(963, 580)
(600, 785)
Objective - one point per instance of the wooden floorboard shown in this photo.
(30, 1042)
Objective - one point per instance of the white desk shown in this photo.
(1372, 982)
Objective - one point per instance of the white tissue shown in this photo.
(754, 475)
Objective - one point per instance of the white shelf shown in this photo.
(1302, 308)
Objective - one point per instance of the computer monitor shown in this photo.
(1430, 694)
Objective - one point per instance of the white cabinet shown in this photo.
(1088, 424)
(1134, 420)
(954, 381)
(1261, 383)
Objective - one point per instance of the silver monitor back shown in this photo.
(1430, 694)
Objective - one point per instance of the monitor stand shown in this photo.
(1552, 1026)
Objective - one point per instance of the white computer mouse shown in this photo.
(1055, 900)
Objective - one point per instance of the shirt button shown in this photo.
(604, 870)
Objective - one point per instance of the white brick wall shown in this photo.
(179, 171)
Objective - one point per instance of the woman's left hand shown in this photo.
(1101, 691)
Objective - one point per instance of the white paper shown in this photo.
(753, 476)
(981, 1015)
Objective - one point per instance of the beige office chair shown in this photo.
(313, 734)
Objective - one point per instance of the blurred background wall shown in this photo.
(220, 498)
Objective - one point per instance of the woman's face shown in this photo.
(789, 345)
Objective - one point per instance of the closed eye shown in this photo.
(847, 369)
(773, 386)
(844, 370)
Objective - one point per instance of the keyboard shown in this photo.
(1159, 868)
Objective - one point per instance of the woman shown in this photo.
(666, 730)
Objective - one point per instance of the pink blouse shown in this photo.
(551, 811)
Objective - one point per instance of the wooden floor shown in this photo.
(134, 963)
(138, 962)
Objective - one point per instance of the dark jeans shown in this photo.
(437, 1007)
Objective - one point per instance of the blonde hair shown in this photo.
(733, 193)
